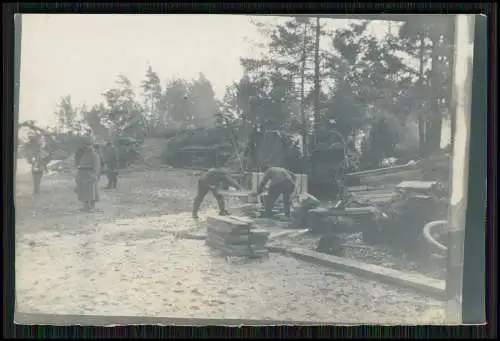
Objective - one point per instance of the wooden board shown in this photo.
(235, 194)
(248, 253)
(386, 170)
(228, 230)
(248, 238)
(417, 185)
(393, 178)
(352, 211)
(219, 243)
(236, 250)
(365, 188)
(229, 221)
(229, 225)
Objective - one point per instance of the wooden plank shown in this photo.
(229, 225)
(385, 170)
(369, 188)
(235, 194)
(235, 249)
(247, 253)
(229, 220)
(351, 211)
(417, 185)
(375, 192)
(247, 238)
(244, 239)
(367, 197)
(390, 178)
(228, 230)
(410, 280)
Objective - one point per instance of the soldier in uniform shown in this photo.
(37, 169)
(111, 162)
(281, 182)
(98, 150)
(207, 183)
(88, 166)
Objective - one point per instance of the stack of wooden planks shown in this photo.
(236, 236)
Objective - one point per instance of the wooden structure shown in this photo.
(236, 236)
(375, 210)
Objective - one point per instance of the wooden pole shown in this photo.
(464, 35)
(317, 81)
(302, 98)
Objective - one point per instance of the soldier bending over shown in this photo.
(207, 183)
(281, 183)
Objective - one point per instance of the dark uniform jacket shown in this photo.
(88, 158)
(216, 176)
(37, 166)
(276, 176)
(110, 157)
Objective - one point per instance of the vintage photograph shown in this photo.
(281, 168)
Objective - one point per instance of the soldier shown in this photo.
(111, 161)
(97, 149)
(207, 183)
(88, 166)
(37, 169)
(281, 183)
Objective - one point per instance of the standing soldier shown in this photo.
(37, 169)
(88, 166)
(97, 149)
(207, 183)
(111, 162)
(281, 182)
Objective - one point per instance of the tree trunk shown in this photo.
(433, 134)
(421, 119)
(302, 98)
(421, 136)
(451, 100)
(317, 84)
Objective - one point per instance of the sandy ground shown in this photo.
(127, 260)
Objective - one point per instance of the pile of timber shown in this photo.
(236, 236)
(387, 175)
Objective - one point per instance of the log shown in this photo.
(230, 221)
(230, 224)
(418, 185)
(393, 178)
(235, 194)
(385, 170)
(352, 211)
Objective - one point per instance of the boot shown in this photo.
(224, 213)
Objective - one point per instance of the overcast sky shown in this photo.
(81, 55)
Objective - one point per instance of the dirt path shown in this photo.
(151, 193)
(126, 260)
